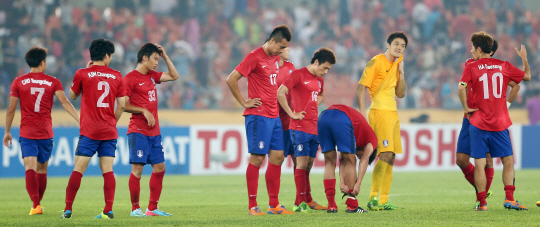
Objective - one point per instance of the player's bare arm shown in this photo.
(282, 98)
(462, 91)
(361, 98)
(362, 167)
(232, 82)
(66, 104)
(513, 92)
(135, 109)
(9, 120)
(402, 85)
(73, 95)
(319, 99)
(121, 104)
(523, 55)
(172, 74)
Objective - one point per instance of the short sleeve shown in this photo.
(466, 77)
(57, 85)
(293, 79)
(321, 82)
(128, 86)
(247, 65)
(14, 89)
(514, 73)
(121, 88)
(77, 83)
(370, 72)
(156, 76)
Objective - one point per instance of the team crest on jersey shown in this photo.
(261, 145)
(385, 143)
(139, 153)
(153, 81)
(320, 86)
(290, 71)
(300, 147)
(277, 65)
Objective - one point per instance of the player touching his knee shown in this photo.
(306, 86)
(143, 133)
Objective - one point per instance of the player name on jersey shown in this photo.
(100, 74)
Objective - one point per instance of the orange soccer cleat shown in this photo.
(37, 210)
(255, 211)
(279, 209)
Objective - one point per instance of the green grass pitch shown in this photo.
(429, 198)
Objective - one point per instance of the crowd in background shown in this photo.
(206, 39)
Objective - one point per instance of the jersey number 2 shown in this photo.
(496, 82)
(40, 91)
(102, 85)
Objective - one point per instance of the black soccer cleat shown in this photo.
(331, 210)
(356, 210)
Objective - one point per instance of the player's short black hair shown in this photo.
(35, 56)
(396, 35)
(147, 50)
(324, 54)
(372, 156)
(279, 33)
(482, 40)
(99, 48)
(494, 47)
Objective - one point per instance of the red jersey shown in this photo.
(36, 94)
(363, 133)
(305, 89)
(488, 79)
(100, 86)
(470, 102)
(141, 90)
(284, 71)
(261, 71)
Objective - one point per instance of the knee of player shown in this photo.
(462, 163)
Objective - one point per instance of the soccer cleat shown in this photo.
(476, 205)
(356, 210)
(508, 204)
(315, 206)
(255, 211)
(303, 207)
(279, 209)
(489, 194)
(156, 212)
(331, 210)
(137, 213)
(108, 215)
(389, 206)
(66, 214)
(37, 210)
(374, 205)
(481, 208)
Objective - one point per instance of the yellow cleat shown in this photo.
(37, 210)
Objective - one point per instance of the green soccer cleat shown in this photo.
(108, 215)
(489, 194)
(374, 205)
(303, 207)
(389, 206)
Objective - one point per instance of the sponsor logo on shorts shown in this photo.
(140, 153)
(300, 147)
(261, 145)
(385, 143)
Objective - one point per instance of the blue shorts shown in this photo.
(287, 143)
(336, 132)
(263, 134)
(464, 139)
(145, 149)
(304, 144)
(36, 148)
(88, 147)
(496, 143)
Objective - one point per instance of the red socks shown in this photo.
(469, 173)
(109, 187)
(156, 184)
(134, 191)
(309, 199)
(330, 190)
(489, 177)
(72, 188)
(42, 180)
(32, 187)
(509, 189)
(273, 175)
(252, 178)
(481, 196)
(300, 180)
(351, 202)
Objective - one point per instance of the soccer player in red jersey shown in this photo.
(263, 126)
(99, 87)
(306, 86)
(285, 70)
(489, 79)
(463, 154)
(143, 132)
(36, 91)
(346, 129)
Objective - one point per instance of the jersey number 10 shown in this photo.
(496, 79)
